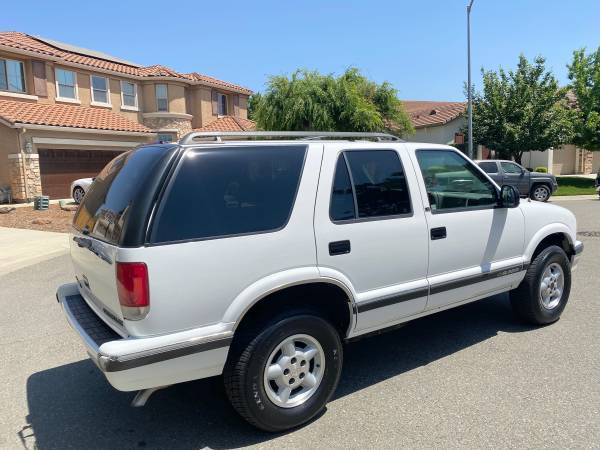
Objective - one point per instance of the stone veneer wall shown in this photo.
(24, 172)
(183, 126)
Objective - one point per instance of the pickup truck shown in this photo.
(256, 255)
(536, 185)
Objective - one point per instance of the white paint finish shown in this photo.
(386, 253)
(18, 95)
(204, 277)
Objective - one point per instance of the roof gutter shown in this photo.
(79, 130)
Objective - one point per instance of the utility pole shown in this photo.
(469, 88)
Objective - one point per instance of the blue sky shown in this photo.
(418, 46)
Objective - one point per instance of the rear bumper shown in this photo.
(141, 363)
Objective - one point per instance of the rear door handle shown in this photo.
(339, 248)
(438, 233)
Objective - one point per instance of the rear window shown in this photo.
(108, 205)
(489, 167)
(228, 191)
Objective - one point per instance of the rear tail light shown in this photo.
(133, 290)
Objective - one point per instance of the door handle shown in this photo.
(438, 233)
(339, 248)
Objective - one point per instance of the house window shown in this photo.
(12, 75)
(165, 137)
(162, 98)
(222, 104)
(100, 90)
(129, 94)
(66, 84)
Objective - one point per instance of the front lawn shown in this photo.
(575, 186)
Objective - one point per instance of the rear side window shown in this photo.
(118, 190)
(489, 167)
(220, 192)
(377, 182)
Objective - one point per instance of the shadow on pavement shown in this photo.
(72, 406)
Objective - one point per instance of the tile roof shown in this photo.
(213, 81)
(59, 115)
(25, 42)
(229, 123)
(428, 113)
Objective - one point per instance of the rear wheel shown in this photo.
(78, 194)
(285, 374)
(540, 192)
(543, 294)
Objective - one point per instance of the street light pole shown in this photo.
(469, 89)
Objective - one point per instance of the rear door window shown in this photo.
(375, 186)
(489, 167)
(227, 191)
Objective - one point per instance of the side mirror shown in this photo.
(509, 196)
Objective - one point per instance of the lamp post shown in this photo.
(469, 96)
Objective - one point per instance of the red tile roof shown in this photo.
(25, 42)
(229, 123)
(429, 114)
(59, 115)
(215, 82)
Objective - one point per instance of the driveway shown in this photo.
(22, 248)
(469, 377)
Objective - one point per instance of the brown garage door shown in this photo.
(59, 168)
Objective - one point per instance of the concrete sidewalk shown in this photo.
(21, 248)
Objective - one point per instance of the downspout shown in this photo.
(22, 155)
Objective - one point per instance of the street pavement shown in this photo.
(22, 248)
(470, 377)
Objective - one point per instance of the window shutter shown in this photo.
(215, 103)
(236, 105)
(39, 78)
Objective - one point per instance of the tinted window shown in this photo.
(342, 198)
(227, 191)
(509, 167)
(106, 207)
(452, 182)
(489, 167)
(379, 183)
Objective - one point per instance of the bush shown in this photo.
(541, 169)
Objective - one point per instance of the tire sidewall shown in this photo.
(551, 255)
(548, 193)
(271, 416)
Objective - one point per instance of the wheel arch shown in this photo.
(254, 299)
(554, 234)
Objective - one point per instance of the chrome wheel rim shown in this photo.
(540, 193)
(294, 370)
(78, 195)
(551, 286)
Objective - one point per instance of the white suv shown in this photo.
(257, 259)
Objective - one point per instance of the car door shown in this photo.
(370, 230)
(516, 176)
(491, 168)
(475, 247)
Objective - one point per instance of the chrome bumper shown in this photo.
(577, 250)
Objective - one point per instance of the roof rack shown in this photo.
(217, 136)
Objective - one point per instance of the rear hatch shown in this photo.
(114, 214)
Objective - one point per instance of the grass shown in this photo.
(575, 186)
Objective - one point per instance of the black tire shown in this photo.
(544, 194)
(245, 368)
(526, 300)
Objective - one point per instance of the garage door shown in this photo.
(59, 168)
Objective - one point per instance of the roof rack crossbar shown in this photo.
(195, 136)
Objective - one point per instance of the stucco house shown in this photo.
(66, 111)
(436, 122)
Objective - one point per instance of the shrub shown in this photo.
(541, 169)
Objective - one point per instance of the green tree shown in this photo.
(584, 73)
(521, 110)
(309, 100)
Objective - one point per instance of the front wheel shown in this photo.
(541, 193)
(542, 296)
(285, 375)
(78, 194)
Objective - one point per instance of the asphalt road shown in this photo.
(468, 377)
